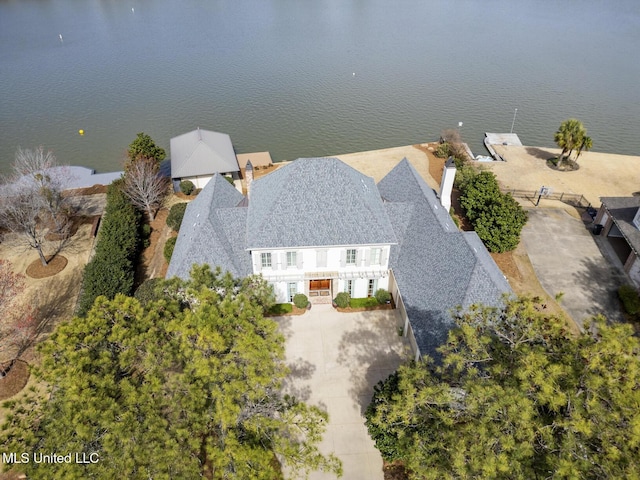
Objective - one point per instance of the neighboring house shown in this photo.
(319, 227)
(620, 220)
(198, 155)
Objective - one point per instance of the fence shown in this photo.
(573, 199)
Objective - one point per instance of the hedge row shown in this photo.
(112, 269)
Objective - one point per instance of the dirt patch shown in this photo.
(152, 263)
(55, 266)
(15, 380)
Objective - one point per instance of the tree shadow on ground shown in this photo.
(540, 153)
(299, 369)
(602, 280)
(372, 350)
(56, 304)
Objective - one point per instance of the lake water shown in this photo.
(313, 78)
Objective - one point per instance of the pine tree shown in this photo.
(185, 387)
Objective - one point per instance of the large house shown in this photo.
(619, 218)
(319, 227)
(199, 154)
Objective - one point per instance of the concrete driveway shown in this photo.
(567, 259)
(335, 360)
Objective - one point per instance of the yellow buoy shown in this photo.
(81, 132)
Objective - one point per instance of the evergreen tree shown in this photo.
(186, 387)
(516, 396)
(144, 147)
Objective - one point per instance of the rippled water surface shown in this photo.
(310, 78)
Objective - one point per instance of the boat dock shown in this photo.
(500, 139)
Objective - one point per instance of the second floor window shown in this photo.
(292, 259)
(376, 254)
(351, 256)
(266, 260)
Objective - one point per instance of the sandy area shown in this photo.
(600, 174)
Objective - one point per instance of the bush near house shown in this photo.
(168, 248)
(300, 300)
(443, 150)
(342, 299)
(496, 217)
(382, 296)
(187, 187)
(176, 214)
(112, 268)
(630, 299)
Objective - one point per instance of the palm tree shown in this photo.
(586, 145)
(569, 137)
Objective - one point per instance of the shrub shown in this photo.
(382, 295)
(230, 180)
(363, 302)
(300, 300)
(342, 299)
(146, 235)
(174, 219)
(630, 299)
(496, 217)
(168, 248)
(187, 187)
(280, 309)
(443, 150)
(464, 175)
(149, 291)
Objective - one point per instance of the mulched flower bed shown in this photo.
(386, 306)
(55, 265)
(15, 380)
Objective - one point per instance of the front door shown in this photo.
(320, 290)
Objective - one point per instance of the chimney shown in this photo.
(446, 185)
(248, 177)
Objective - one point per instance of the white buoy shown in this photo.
(61, 39)
(133, 10)
(354, 74)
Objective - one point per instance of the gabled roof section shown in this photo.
(202, 152)
(316, 202)
(623, 210)
(212, 232)
(437, 267)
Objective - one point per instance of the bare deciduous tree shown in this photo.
(32, 201)
(145, 186)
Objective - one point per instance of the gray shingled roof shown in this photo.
(202, 152)
(212, 232)
(436, 266)
(623, 210)
(316, 202)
